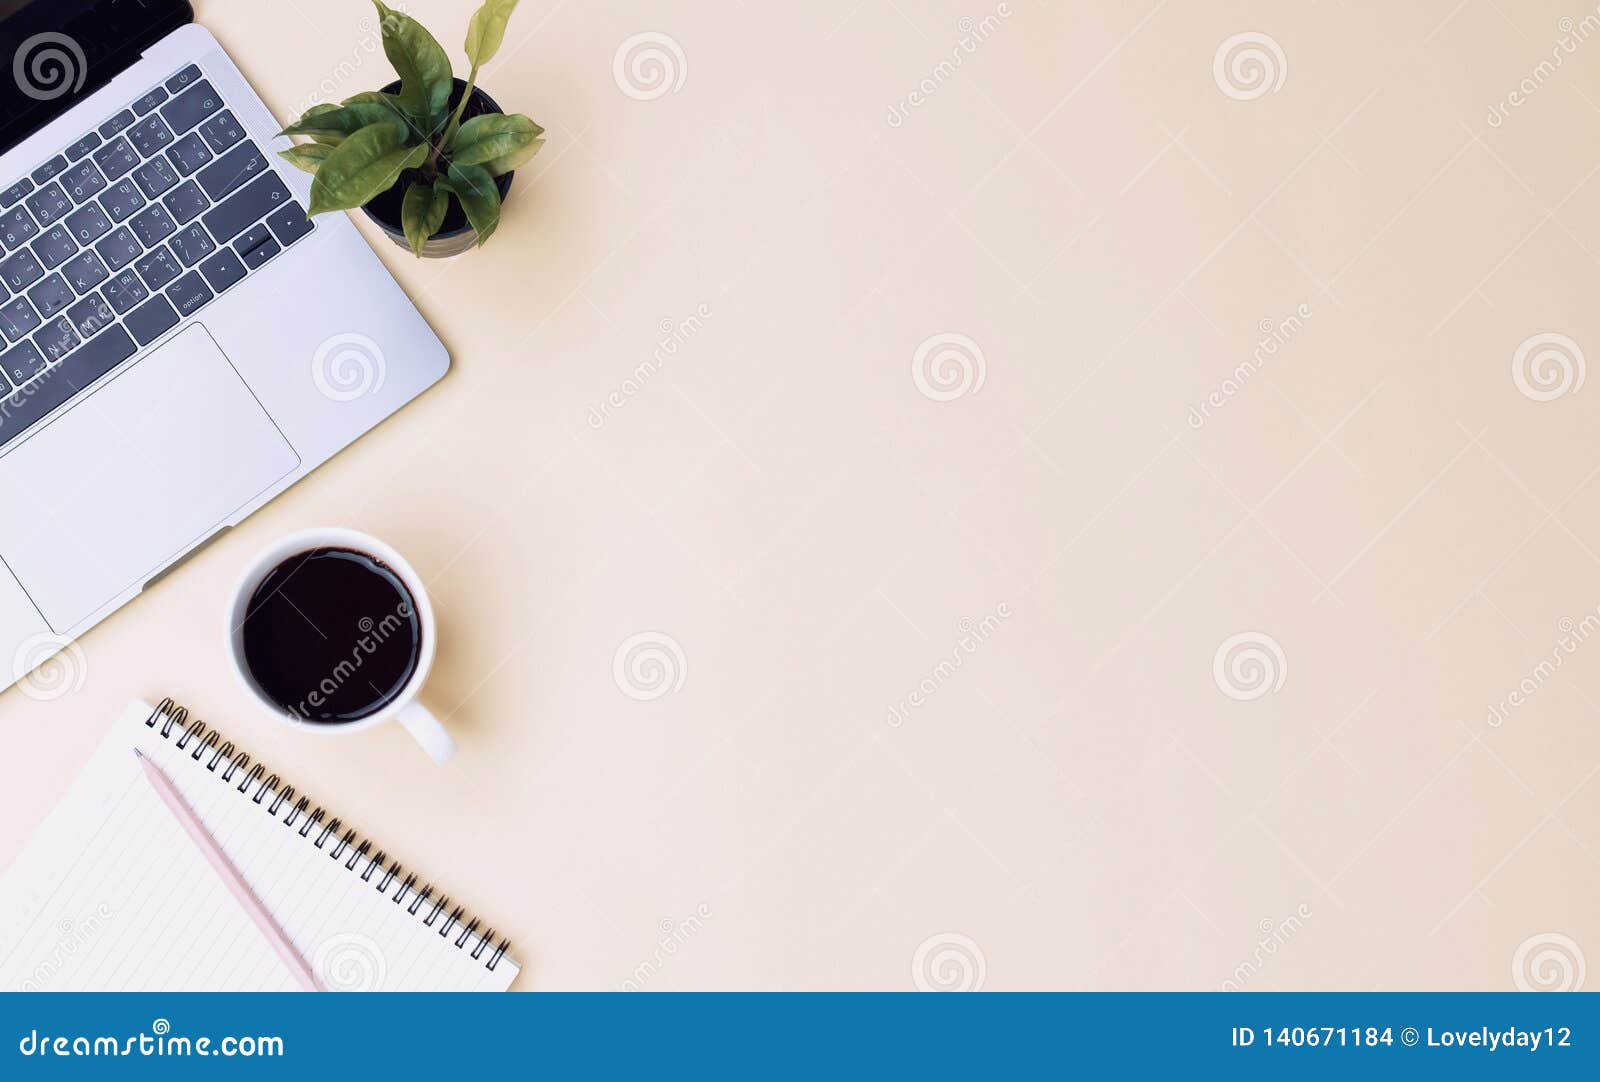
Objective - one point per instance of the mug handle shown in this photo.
(426, 730)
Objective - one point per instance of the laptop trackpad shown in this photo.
(134, 476)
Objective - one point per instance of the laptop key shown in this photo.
(48, 169)
(191, 244)
(116, 123)
(255, 246)
(82, 181)
(16, 191)
(149, 135)
(153, 225)
(189, 153)
(17, 318)
(155, 176)
(63, 381)
(223, 270)
(23, 363)
(116, 158)
(88, 223)
(56, 339)
(122, 199)
(234, 168)
(119, 249)
(124, 291)
(221, 131)
(149, 101)
(91, 316)
(184, 78)
(191, 107)
(17, 227)
(82, 146)
(248, 206)
(150, 320)
(21, 271)
(157, 268)
(55, 246)
(189, 293)
(84, 271)
(51, 296)
(185, 201)
(49, 203)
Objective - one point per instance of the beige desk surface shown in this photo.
(1400, 514)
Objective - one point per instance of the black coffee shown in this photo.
(332, 635)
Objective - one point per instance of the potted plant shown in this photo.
(428, 157)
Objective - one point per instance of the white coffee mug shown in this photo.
(404, 707)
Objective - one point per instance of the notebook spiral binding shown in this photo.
(207, 741)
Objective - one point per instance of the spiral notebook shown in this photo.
(111, 895)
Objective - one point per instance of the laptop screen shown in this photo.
(54, 52)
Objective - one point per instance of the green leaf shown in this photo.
(474, 187)
(331, 124)
(307, 156)
(422, 212)
(494, 136)
(363, 166)
(420, 61)
(487, 30)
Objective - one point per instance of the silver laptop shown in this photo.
(178, 343)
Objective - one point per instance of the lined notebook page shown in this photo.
(110, 894)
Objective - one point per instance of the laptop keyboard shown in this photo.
(129, 230)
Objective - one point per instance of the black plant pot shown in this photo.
(456, 234)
